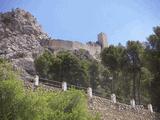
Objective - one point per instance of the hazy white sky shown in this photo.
(82, 20)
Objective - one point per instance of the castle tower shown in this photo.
(102, 40)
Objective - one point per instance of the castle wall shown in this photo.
(78, 45)
(94, 49)
(58, 44)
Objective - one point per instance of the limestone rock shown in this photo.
(20, 40)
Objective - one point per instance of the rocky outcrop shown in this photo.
(20, 37)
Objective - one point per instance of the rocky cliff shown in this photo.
(20, 36)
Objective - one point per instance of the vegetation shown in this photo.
(136, 69)
(18, 103)
(153, 63)
(66, 66)
(131, 71)
(63, 67)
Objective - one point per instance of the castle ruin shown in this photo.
(102, 40)
(94, 48)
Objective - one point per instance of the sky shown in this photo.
(82, 20)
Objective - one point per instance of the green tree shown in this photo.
(111, 58)
(153, 57)
(94, 72)
(43, 63)
(135, 53)
(72, 70)
(55, 69)
(63, 66)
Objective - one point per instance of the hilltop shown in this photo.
(22, 40)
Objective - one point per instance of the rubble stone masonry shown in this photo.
(57, 44)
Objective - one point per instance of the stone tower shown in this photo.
(102, 40)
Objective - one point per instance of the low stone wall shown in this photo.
(30, 85)
(118, 111)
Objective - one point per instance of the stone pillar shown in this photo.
(113, 98)
(89, 92)
(132, 102)
(36, 81)
(64, 86)
(150, 108)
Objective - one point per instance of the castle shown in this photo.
(94, 48)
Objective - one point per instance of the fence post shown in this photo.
(36, 81)
(132, 102)
(89, 92)
(64, 86)
(113, 98)
(150, 108)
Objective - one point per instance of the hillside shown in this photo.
(22, 43)
(107, 110)
(119, 111)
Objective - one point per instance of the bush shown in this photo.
(70, 105)
(11, 94)
(17, 103)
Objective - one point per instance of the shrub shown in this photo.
(18, 103)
